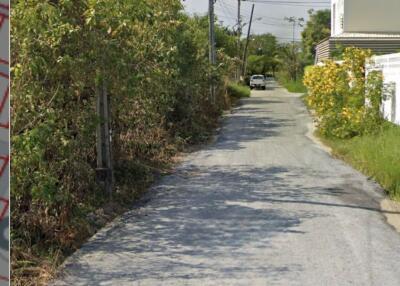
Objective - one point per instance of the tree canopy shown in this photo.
(262, 57)
(317, 29)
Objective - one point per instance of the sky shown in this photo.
(268, 16)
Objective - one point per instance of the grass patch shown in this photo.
(375, 155)
(294, 86)
(238, 91)
(291, 85)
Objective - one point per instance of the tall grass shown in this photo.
(238, 91)
(376, 155)
(291, 85)
(294, 86)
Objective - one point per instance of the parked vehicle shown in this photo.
(258, 81)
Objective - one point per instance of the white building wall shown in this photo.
(365, 16)
(390, 67)
(337, 17)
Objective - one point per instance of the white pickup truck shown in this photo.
(258, 81)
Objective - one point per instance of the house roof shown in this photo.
(367, 35)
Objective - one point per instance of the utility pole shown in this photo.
(294, 30)
(212, 55)
(247, 43)
(239, 34)
(296, 22)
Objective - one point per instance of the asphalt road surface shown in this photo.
(262, 205)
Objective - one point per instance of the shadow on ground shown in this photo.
(201, 221)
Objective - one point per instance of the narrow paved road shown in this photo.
(263, 205)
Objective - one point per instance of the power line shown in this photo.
(226, 8)
(314, 4)
(289, 2)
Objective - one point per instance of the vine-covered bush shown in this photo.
(345, 100)
(154, 62)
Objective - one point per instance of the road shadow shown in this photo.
(257, 100)
(246, 126)
(197, 214)
(201, 221)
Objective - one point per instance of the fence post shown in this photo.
(104, 169)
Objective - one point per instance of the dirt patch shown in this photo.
(391, 210)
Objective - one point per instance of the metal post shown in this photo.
(247, 43)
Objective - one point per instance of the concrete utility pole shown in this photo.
(212, 54)
(239, 34)
(247, 43)
(296, 22)
(104, 155)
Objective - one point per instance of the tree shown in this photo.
(226, 40)
(291, 61)
(265, 44)
(261, 64)
(263, 50)
(317, 29)
(256, 64)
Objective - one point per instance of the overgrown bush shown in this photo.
(346, 102)
(153, 61)
(238, 91)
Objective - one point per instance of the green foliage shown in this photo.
(291, 85)
(316, 30)
(375, 154)
(262, 57)
(154, 61)
(291, 61)
(238, 91)
(226, 41)
(263, 45)
(256, 64)
(345, 101)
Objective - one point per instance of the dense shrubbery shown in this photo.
(339, 92)
(153, 60)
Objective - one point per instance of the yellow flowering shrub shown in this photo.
(337, 92)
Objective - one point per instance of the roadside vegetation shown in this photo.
(376, 155)
(153, 61)
(287, 61)
(347, 103)
(237, 90)
(337, 94)
(296, 86)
